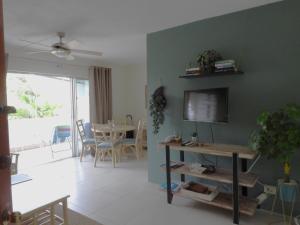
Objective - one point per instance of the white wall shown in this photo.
(136, 80)
(128, 82)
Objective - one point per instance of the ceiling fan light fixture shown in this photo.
(61, 53)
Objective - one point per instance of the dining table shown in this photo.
(114, 128)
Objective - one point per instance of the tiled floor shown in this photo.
(39, 156)
(122, 195)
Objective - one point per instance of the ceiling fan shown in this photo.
(62, 49)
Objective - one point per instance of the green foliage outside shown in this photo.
(32, 107)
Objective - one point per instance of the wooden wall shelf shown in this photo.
(206, 74)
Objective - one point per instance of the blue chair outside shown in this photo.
(61, 134)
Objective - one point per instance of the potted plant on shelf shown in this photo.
(207, 60)
(279, 138)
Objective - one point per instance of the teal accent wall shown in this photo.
(265, 42)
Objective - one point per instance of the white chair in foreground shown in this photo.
(107, 143)
(135, 143)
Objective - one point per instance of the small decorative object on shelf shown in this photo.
(158, 103)
(195, 137)
(225, 66)
(207, 60)
(279, 136)
(198, 191)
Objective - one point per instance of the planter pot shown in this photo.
(288, 191)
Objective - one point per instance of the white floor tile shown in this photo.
(122, 195)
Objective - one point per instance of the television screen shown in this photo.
(209, 105)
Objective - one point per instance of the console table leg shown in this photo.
(168, 173)
(244, 169)
(235, 189)
(182, 176)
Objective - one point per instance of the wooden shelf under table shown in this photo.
(224, 200)
(214, 149)
(220, 175)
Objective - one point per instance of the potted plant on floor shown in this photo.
(279, 137)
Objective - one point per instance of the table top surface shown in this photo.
(108, 128)
(215, 149)
(30, 196)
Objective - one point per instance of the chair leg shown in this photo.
(113, 158)
(137, 152)
(119, 154)
(52, 152)
(96, 157)
(82, 152)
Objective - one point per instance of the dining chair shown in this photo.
(86, 136)
(107, 143)
(135, 143)
(14, 157)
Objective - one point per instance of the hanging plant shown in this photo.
(207, 60)
(158, 104)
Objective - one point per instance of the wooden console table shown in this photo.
(232, 201)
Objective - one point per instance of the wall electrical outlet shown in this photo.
(269, 189)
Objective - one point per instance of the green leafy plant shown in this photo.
(279, 136)
(158, 104)
(32, 106)
(207, 60)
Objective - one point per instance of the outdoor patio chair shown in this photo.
(61, 134)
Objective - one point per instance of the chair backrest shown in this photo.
(61, 133)
(139, 133)
(106, 133)
(14, 163)
(81, 130)
(101, 132)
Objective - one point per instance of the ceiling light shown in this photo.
(61, 53)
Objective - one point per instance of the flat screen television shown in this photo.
(207, 105)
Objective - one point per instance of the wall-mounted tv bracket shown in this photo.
(5, 160)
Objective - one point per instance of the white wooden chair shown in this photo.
(135, 143)
(107, 143)
(87, 142)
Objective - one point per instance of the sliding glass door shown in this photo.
(81, 109)
(44, 127)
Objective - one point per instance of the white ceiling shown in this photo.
(117, 28)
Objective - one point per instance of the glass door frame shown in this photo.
(74, 116)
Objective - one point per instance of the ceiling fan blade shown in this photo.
(73, 44)
(35, 43)
(70, 57)
(86, 52)
(45, 51)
